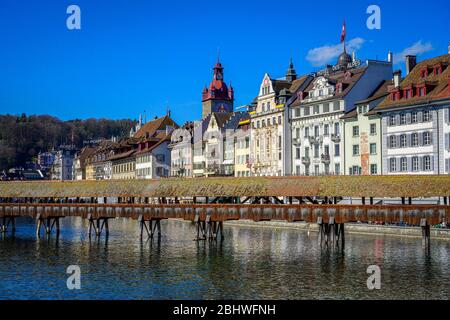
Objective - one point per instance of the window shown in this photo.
(337, 150)
(373, 148)
(402, 118)
(403, 142)
(336, 106)
(326, 130)
(336, 128)
(427, 163)
(422, 91)
(268, 106)
(414, 140)
(268, 122)
(316, 131)
(426, 116)
(356, 149)
(297, 153)
(355, 131)
(279, 119)
(408, 94)
(316, 109)
(426, 138)
(307, 152)
(403, 164)
(297, 132)
(306, 132)
(316, 151)
(337, 168)
(392, 165)
(297, 112)
(297, 170)
(373, 169)
(392, 142)
(392, 120)
(373, 128)
(306, 111)
(415, 163)
(257, 124)
(263, 107)
(326, 107)
(263, 123)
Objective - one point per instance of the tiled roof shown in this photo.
(151, 127)
(437, 84)
(339, 77)
(349, 186)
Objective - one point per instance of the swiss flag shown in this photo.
(343, 32)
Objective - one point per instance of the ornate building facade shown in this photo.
(317, 130)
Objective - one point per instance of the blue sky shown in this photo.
(136, 55)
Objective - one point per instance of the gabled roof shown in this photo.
(437, 84)
(150, 128)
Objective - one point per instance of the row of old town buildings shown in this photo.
(351, 118)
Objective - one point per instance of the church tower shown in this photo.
(218, 97)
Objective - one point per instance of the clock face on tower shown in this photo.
(219, 76)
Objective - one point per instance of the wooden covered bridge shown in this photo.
(210, 201)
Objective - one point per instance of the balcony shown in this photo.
(313, 140)
(325, 158)
(306, 160)
(296, 141)
(336, 137)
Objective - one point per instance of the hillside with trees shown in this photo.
(23, 137)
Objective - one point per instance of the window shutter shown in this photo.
(447, 141)
(409, 161)
(447, 165)
(419, 116)
(447, 115)
(420, 136)
(397, 119)
(410, 140)
(431, 138)
(397, 139)
(420, 163)
(387, 143)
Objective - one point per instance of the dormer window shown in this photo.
(300, 95)
(424, 72)
(407, 93)
(421, 91)
(339, 88)
(437, 70)
(395, 95)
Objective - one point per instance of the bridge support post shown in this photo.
(151, 227)
(6, 221)
(425, 233)
(98, 224)
(47, 225)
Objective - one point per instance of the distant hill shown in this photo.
(23, 137)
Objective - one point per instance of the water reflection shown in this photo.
(250, 263)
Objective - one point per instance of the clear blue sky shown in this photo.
(138, 55)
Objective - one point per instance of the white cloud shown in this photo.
(416, 49)
(324, 55)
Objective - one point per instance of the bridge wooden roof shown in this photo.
(351, 186)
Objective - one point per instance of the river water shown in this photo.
(250, 263)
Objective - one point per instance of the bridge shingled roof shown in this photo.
(350, 186)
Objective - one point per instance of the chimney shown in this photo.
(397, 78)
(390, 56)
(410, 63)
